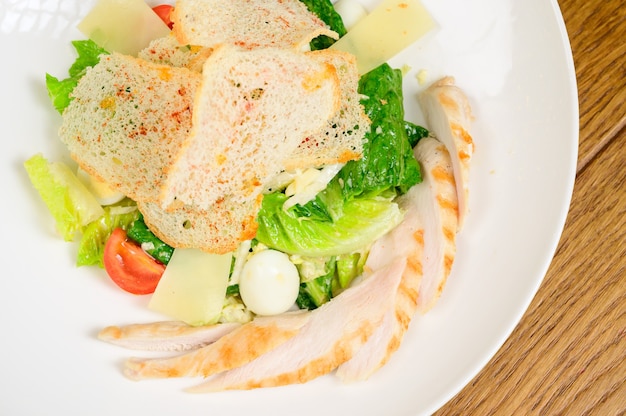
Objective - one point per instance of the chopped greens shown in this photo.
(332, 276)
(349, 266)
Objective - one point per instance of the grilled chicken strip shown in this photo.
(334, 333)
(165, 336)
(432, 202)
(406, 241)
(436, 201)
(448, 116)
(234, 349)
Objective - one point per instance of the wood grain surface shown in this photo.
(567, 356)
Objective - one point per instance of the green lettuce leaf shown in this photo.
(325, 10)
(140, 233)
(356, 207)
(95, 235)
(323, 278)
(349, 266)
(60, 91)
(314, 293)
(415, 133)
(388, 161)
(362, 221)
(70, 203)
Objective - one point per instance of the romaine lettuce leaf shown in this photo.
(140, 233)
(59, 90)
(349, 266)
(95, 235)
(70, 203)
(388, 161)
(323, 278)
(415, 133)
(314, 293)
(325, 10)
(362, 221)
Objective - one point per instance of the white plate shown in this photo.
(513, 59)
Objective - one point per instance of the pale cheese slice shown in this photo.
(386, 31)
(124, 26)
(193, 287)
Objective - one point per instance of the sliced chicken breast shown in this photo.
(406, 241)
(165, 336)
(436, 202)
(426, 238)
(234, 349)
(449, 116)
(334, 333)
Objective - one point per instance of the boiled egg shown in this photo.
(269, 283)
(102, 191)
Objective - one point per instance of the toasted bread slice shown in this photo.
(248, 118)
(342, 138)
(127, 120)
(247, 23)
(253, 109)
(167, 51)
(216, 230)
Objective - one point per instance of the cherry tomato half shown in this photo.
(163, 11)
(131, 268)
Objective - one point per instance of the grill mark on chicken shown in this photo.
(461, 132)
(442, 174)
(448, 204)
(448, 102)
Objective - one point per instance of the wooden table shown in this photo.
(567, 356)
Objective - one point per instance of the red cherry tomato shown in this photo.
(163, 11)
(131, 268)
